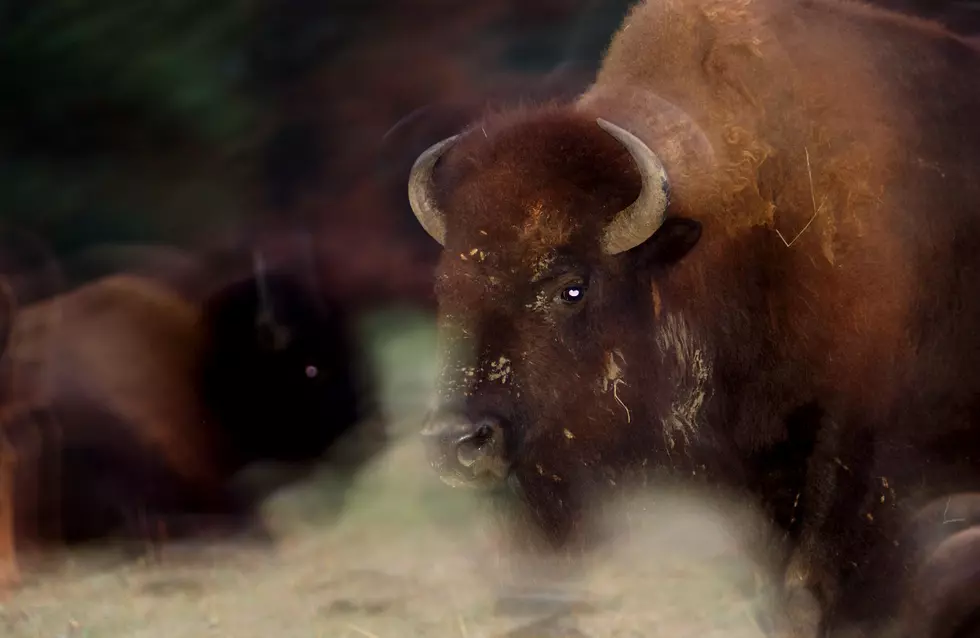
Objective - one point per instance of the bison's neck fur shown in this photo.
(823, 138)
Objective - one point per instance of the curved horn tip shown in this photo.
(637, 223)
(420, 187)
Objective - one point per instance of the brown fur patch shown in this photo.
(764, 99)
(807, 142)
(155, 389)
(545, 229)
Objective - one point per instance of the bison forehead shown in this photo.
(544, 230)
(535, 176)
(484, 218)
(505, 258)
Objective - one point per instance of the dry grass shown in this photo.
(407, 557)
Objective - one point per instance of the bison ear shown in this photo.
(672, 242)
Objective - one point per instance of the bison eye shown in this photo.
(312, 371)
(572, 294)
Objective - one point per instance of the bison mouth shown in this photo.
(465, 453)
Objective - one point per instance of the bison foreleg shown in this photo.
(833, 494)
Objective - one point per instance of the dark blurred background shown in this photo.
(181, 123)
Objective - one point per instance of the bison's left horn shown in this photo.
(421, 192)
(636, 223)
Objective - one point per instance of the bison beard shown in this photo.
(746, 255)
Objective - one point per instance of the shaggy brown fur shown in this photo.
(802, 327)
(86, 392)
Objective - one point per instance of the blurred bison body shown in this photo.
(746, 255)
(105, 478)
(127, 407)
(100, 413)
(292, 355)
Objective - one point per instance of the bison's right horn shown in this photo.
(637, 222)
(421, 194)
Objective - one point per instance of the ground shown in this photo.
(408, 556)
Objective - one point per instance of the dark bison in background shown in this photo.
(746, 256)
(128, 409)
(276, 331)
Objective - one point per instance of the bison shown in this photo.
(99, 408)
(278, 337)
(746, 256)
(129, 408)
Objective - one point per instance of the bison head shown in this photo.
(281, 372)
(557, 369)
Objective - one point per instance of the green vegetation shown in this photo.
(124, 120)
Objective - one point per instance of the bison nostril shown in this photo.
(472, 447)
(466, 451)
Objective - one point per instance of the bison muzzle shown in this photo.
(465, 451)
